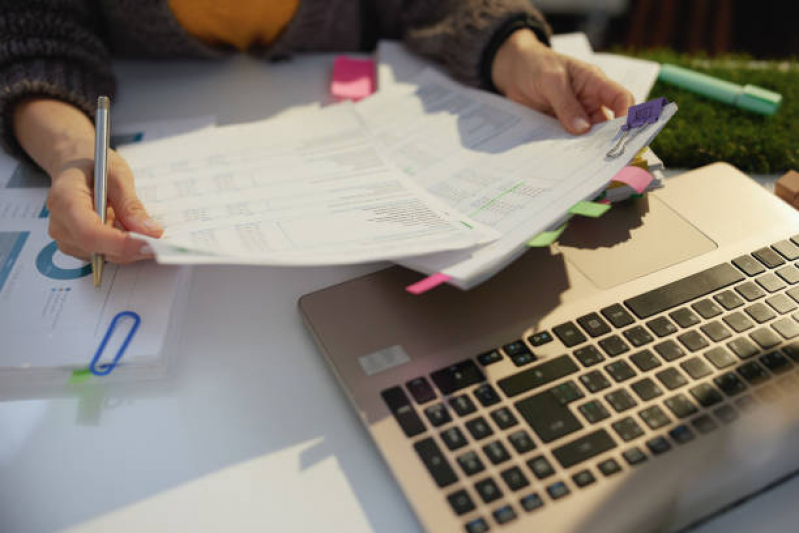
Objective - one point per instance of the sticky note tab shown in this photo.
(79, 376)
(604, 201)
(545, 238)
(646, 113)
(589, 209)
(428, 283)
(352, 79)
(637, 178)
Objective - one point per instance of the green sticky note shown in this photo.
(589, 209)
(79, 376)
(545, 238)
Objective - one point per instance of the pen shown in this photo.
(102, 135)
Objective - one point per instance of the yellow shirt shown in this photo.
(238, 23)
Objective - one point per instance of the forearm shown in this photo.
(51, 131)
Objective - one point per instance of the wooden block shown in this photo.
(787, 188)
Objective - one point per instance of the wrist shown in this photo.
(514, 47)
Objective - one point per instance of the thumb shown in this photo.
(129, 210)
(569, 111)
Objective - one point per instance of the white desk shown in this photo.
(252, 433)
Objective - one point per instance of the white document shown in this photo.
(309, 190)
(500, 163)
(637, 75)
(53, 316)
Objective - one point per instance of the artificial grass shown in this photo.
(705, 131)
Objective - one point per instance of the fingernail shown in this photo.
(580, 124)
(146, 250)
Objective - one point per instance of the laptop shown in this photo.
(639, 375)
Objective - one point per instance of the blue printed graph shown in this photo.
(47, 268)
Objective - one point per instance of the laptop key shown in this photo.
(654, 417)
(437, 414)
(728, 300)
(400, 406)
(787, 327)
(608, 467)
(584, 448)
(460, 502)
(558, 490)
(681, 434)
(620, 371)
(488, 490)
(706, 395)
(695, 367)
(470, 463)
(540, 467)
(541, 338)
(771, 282)
(704, 424)
(595, 381)
(658, 445)
(681, 406)
(684, 317)
(645, 360)
(792, 351)
(583, 478)
(504, 514)
(478, 525)
(768, 257)
(749, 265)
(504, 418)
(669, 350)
(790, 274)
(729, 383)
(683, 291)
(567, 392)
(588, 355)
(720, 357)
(531, 502)
(662, 326)
(738, 321)
(716, 331)
(453, 438)
(617, 315)
(436, 462)
(593, 324)
(627, 429)
(707, 308)
(613, 345)
(671, 378)
(496, 452)
(646, 389)
(486, 395)
(568, 334)
(620, 400)
(781, 303)
(594, 411)
(489, 358)
(421, 390)
(514, 478)
(753, 372)
(462, 404)
(457, 376)
(693, 340)
(521, 441)
(637, 336)
(634, 456)
(743, 347)
(776, 362)
(787, 249)
(765, 337)
(519, 353)
(537, 376)
(549, 418)
(750, 291)
(793, 293)
(726, 413)
(479, 428)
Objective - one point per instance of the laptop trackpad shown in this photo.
(633, 239)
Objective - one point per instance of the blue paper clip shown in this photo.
(107, 368)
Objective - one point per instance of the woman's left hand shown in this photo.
(527, 71)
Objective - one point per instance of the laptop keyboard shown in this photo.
(636, 379)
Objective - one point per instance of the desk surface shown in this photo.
(252, 432)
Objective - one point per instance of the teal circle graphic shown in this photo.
(45, 265)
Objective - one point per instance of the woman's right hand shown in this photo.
(60, 138)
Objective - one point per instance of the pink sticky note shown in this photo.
(427, 283)
(637, 178)
(352, 79)
(604, 201)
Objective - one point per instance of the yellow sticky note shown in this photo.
(545, 238)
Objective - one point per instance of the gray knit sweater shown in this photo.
(63, 48)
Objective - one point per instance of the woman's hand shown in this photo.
(529, 72)
(60, 138)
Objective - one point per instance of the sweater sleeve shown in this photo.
(50, 48)
(464, 35)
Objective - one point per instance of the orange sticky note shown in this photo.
(352, 79)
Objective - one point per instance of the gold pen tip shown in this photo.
(97, 269)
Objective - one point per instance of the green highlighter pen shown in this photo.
(749, 97)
